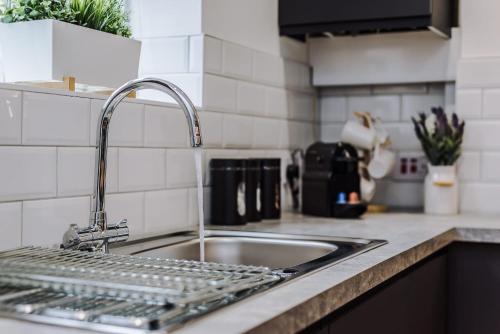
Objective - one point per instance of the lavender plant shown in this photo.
(441, 138)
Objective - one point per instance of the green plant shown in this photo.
(104, 15)
(441, 139)
(29, 10)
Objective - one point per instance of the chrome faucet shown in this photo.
(98, 235)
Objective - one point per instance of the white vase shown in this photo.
(47, 50)
(441, 190)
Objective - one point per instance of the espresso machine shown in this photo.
(331, 181)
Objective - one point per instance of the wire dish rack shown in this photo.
(119, 293)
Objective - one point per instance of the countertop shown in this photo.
(295, 305)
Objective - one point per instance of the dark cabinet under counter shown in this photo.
(455, 291)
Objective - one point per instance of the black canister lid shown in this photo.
(228, 164)
(273, 163)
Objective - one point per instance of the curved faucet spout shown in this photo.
(98, 215)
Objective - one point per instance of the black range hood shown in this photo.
(300, 18)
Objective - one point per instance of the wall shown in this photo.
(394, 105)
(235, 21)
(251, 104)
(478, 101)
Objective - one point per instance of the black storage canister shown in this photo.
(227, 200)
(271, 188)
(253, 190)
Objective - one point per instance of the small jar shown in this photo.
(253, 190)
(271, 188)
(227, 199)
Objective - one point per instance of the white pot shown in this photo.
(441, 190)
(48, 50)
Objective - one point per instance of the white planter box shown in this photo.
(48, 50)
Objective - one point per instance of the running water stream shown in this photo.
(198, 155)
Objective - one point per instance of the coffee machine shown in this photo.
(331, 181)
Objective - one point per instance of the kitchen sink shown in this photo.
(163, 284)
(283, 253)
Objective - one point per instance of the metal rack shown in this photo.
(106, 291)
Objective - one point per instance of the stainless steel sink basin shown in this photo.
(286, 253)
(129, 294)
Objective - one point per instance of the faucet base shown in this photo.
(95, 239)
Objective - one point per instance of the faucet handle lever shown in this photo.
(118, 232)
(92, 239)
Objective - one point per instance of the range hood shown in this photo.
(300, 18)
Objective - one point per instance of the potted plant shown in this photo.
(46, 40)
(441, 140)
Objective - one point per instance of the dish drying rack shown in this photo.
(119, 293)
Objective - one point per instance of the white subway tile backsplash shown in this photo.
(268, 69)
(294, 50)
(219, 94)
(164, 55)
(11, 225)
(491, 103)
(330, 132)
(238, 131)
(301, 134)
(399, 194)
(75, 167)
(479, 197)
(385, 107)
(150, 174)
(303, 106)
(333, 109)
(284, 134)
(180, 169)
(165, 127)
(251, 98)
(196, 53)
(75, 171)
(190, 83)
(10, 117)
(490, 163)
(135, 18)
(45, 221)
(293, 73)
(481, 135)
(478, 72)
(27, 172)
(469, 103)
(402, 136)
(167, 210)
(50, 119)
(277, 103)
(412, 105)
(127, 206)
(211, 131)
(469, 166)
(141, 169)
(305, 77)
(267, 133)
(160, 18)
(236, 60)
(212, 54)
(126, 128)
